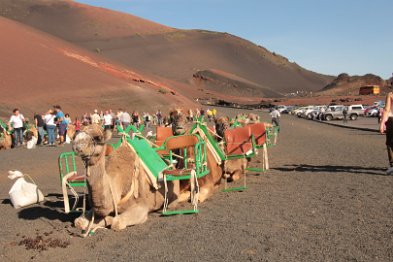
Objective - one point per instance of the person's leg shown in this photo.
(51, 134)
(62, 129)
(390, 155)
(40, 135)
(389, 143)
(15, 137)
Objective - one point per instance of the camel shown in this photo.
(209, 183)
(232, 170)
(120, 190)
(244, 120)
(71, 131)
(5, 140)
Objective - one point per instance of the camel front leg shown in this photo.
(205, 192)
(135, 214)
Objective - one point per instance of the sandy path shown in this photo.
(325, 199)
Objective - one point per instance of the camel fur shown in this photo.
(117, 181)
(5, 140)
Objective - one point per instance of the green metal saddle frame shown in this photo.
(70, 179)
(164, 169)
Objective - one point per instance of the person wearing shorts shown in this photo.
(61, 123)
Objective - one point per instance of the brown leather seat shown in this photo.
(259, 132)
(238, 141)
(179, 142)
(162, 133)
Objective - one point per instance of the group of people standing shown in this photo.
(54, 119)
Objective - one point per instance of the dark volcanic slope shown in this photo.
(163, 51)
(38, 70)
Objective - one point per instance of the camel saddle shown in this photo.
(238, 141)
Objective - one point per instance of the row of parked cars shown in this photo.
(333, 112)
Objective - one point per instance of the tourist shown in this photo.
(85, 119)
(159, 118)
(345, 115)
(386, 126)
(39, 123)
(135, 119)
(275, 114)
(209, 115)
(125, 119)
(50, 124)
(147, 119)
(95, 118)
(190, 116)
(16, 122)
(108, 121)
(77, 125)
(197, 113)
(321, 113)
(214, 113)
(61, 123)
(113, 115)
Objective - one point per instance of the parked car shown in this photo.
(300, 111)
(312, 113)
(354, 111)
(372, 111)
(336, 112)
(281, 109)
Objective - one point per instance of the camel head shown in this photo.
(222, 124)
(179, 121)
(89, 144)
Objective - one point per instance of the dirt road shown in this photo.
(325, 199)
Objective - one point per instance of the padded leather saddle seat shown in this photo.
(259, 132)
(238, 141)
(180, 142)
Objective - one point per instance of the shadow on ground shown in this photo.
(333, 168)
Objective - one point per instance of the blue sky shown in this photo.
(326, 36)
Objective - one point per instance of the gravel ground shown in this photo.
(326, 198)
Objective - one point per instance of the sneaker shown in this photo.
(389, 171)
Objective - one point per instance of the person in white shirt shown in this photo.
(95, 118)
(108, 121)
(275, 114)
(50, 125)
(16, 122)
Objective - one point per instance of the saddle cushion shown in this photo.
(238, 141)
(259, 132)
(162, 133)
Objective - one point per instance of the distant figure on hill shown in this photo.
(275, 114)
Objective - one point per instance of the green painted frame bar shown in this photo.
(65, 156)
(180, 212)
(233, 189)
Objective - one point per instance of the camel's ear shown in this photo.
(107, 135)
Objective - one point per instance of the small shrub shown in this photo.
(162, 91)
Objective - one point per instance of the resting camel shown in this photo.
(232, 169)
(71, 131)
(209, 183)
(5, 141)
(120, 190)
(251, 118)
